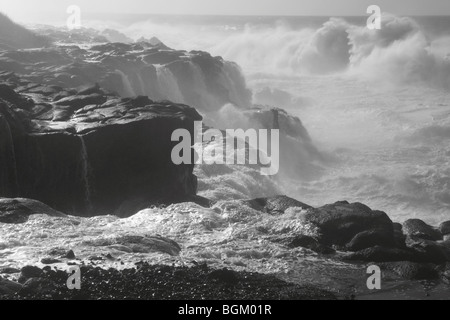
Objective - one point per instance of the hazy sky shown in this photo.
(36, 10)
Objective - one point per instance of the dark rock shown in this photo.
(446, 273)
(126, 137)
(445, 228)
(276, 205)
(309, 243)
(413, 271)
(8, 94)
(427, 250)
(399, 237)
(14, 36)
(372, 238)
(169, 283)
(89, 90)
(28, 272)
(337, 224)
(80, 101)
(70, 255)
(381, 254)
(397, 227)
(50, 261)
(96, 258)
(418, 228)
(18, 210)
(224, 275)
(8, 287)
(37, 285)
(9, 270)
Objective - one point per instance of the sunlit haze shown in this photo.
(37, 11)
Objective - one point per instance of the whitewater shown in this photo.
(376, 104)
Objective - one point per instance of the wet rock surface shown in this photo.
(96, 151)
(419, 229)
(19, 210)
(128, 69)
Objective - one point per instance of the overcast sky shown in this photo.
(30, 10)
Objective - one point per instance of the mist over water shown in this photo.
(375, 103)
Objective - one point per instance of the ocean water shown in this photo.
(376, 103)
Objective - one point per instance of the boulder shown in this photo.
(8, 288)
(372, 238)
(418, 228)
(29, 272)
(444, 228)
(412, 270)
(339, 223)
(38, 286)
(427, 250)
(18, 210)
(309, 243)
(276, 205)
(381, 254)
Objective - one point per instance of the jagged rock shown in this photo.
(372, 238)
(141, 244)
(195, 78)
(418, 228)
(446, 273)
(8, 287)
(37, 285)
(8, 270)
(28, 272)
(80, 101)
(427, 250)
(276, 205)
(19, 210)
(309, 243)
(399, 237)
(14, 36)
(444, 228)
(337, 224)
(412, 271)
(224, 275)
(109, 152)
(50, 261)
(382, 254)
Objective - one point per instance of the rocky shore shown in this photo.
(86, 179)
(153, 282)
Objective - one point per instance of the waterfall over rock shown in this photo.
(108, 155)
(86, 172)
(168, 85)
(9, 185)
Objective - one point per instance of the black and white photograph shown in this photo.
(212, 154)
